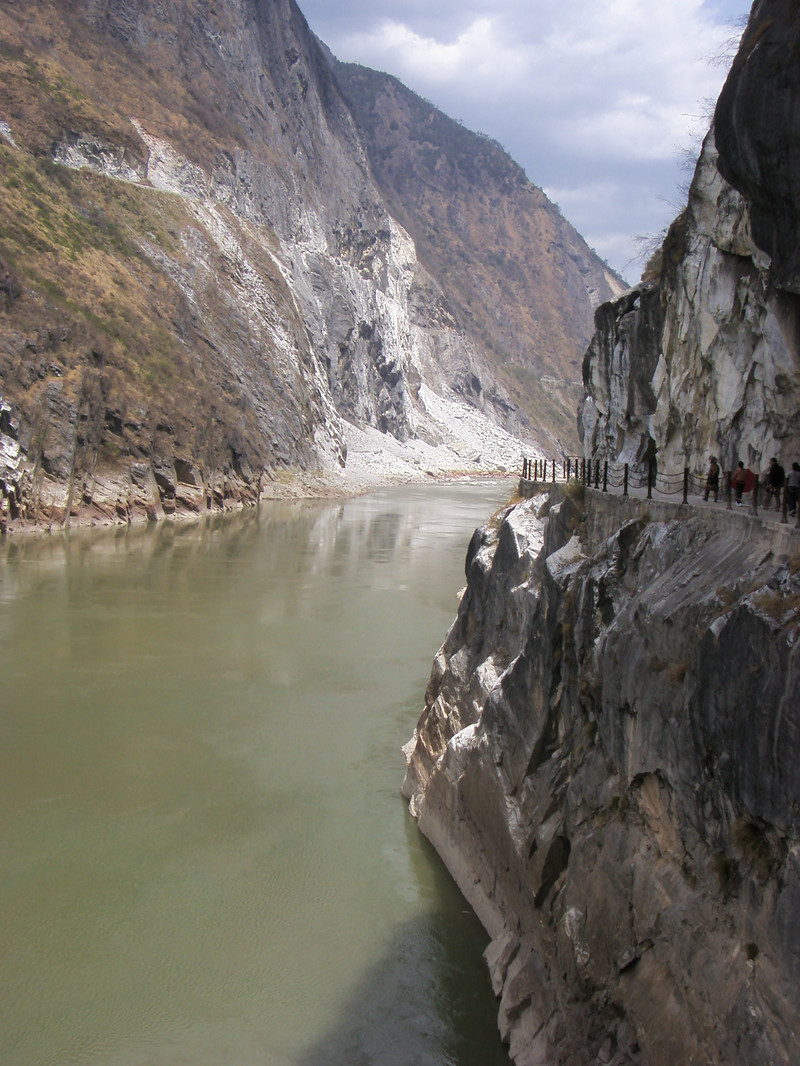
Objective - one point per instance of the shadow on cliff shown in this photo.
(420, 1003)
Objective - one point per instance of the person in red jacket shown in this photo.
(739, 482)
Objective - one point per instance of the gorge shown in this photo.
(234, 269)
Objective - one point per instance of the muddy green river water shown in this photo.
(204, 856)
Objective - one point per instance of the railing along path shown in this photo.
(636, 478)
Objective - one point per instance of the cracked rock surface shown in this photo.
(607, 764)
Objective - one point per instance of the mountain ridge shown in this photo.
(464, 200)
(208, 297)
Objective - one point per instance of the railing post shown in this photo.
(605, 476)
(625, 481)
(569, 469)
(650, 480)
(755, 495)
(728, 488)
(784, 505)
(686, 484)
(583, 468)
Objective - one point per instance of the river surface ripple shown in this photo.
(205, 858)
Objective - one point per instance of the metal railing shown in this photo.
(613, 477)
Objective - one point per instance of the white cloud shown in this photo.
(579, 92)
(477, 60)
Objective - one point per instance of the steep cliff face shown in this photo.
(606, 762)
(606, 759)
(705, 357)
(516, 274)
(202, 290)
(759, 138)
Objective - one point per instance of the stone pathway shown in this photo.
(695, 499)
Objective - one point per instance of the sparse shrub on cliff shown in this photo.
(575, 491)
(10, 287)
(676, 672)
(781, 608)
(726, 596)
(500, 515)
(673, 672)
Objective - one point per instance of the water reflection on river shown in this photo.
(205, 857)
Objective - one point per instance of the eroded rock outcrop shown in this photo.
(606, 763)
(704, 357)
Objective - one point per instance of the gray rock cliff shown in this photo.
(705, 359)
(704, 356)
(606, 760)
(607, 764)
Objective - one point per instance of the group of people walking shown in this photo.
(743, 480)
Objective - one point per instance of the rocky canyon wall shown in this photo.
(606, 763)
(203, 290)
(606, 760)
(704, 357)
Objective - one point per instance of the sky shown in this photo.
(603, 103)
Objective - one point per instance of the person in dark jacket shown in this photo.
(712, 478)
(776, 475)
(793, 488)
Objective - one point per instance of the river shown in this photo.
(204, 856)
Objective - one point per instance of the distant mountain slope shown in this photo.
(203, 291)
(518, 276)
